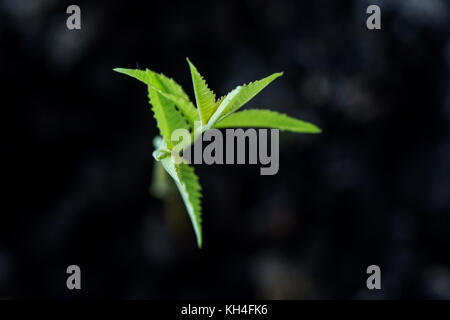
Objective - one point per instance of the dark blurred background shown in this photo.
(373, 188)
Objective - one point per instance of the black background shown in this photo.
(373, 188)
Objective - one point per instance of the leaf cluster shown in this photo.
(173, 110)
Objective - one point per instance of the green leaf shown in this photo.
(206, 99)
(141, 75)
(186, 107)
(167, 84)
(266, 119)
(187, 183)
(225, 102)
(167, 117)
(168, 88)
(248, 91)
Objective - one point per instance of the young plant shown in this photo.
(173, 109)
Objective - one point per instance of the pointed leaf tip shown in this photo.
(205, 97)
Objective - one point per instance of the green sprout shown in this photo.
(173, 110)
